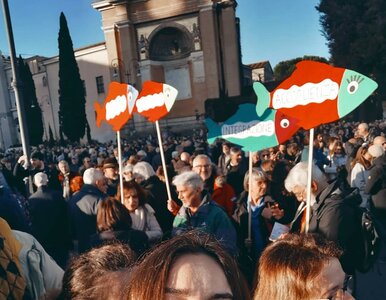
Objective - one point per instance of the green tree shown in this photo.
(33, 114)
(72, 112)
(356, 35)
(284, 68)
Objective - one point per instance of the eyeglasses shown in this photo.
(202, 166)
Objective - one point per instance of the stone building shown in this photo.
(193, 45)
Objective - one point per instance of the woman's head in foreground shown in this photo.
(193, 265)
(300, 267)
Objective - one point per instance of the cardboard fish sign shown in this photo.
(251, 132)
(155, 100)
(316, 93)
(118, 106)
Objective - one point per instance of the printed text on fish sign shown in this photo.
(305, 94)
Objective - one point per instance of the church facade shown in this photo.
(193, 45)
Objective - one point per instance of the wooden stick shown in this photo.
(250, 197)
(161, 151)
(309, 178)
(120, 163)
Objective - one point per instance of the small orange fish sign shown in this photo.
(155, 100)
(118, 106)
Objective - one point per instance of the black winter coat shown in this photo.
(83, 208)
(335, 216)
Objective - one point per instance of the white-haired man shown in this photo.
(84, 205)
(333, 213)
(198, 211)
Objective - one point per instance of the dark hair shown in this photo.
(155, 266)
(82, 278)
(112, 215)
(288, 268)
(130, 185)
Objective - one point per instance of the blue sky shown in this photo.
(273, 30)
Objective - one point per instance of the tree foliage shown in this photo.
(284, 68)
(33, 114)
(72, 112)
(356, 35)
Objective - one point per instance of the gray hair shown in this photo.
(63, 162)
(201, 156)
(190, 179)
(143, 169)
(92, 175)
(256, 175)
(297, 176)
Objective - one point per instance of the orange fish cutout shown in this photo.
(118, 106)
(316, 93)
(155, 100)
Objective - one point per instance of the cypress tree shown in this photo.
(72, 112)
(51, 140)
(33, 114)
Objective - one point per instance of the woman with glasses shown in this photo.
(301, 267)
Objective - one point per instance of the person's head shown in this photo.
(375, 151)
(296, 181)
(264, 155)
(63, 166)
(184, 268)
(87, 162)
(133, 195)
(185, 156)
(37, 160)
(292, 149)
(74, 160)
(267, 166)
(112, 215)
(202, 165)
(362, 157)
(300, 267)
(101, 273)
(40, 179)
(363, 129)
(189, 186)
(142, 171)
(259, 184)
(95, 177)
(110, 168)
(380, 141)
(127, 172)
(236, 155)
(282, 148)
(338, 149)
(226, 147)
(76, 183)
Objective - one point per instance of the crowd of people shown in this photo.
(70, 230)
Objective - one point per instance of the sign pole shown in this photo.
(309, 178)
(120, 163)
(161, 151)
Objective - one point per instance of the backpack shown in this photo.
(370, 240)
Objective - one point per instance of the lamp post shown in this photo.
(15, 84)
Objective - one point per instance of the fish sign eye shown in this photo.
(352, 87)
(284, 123)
